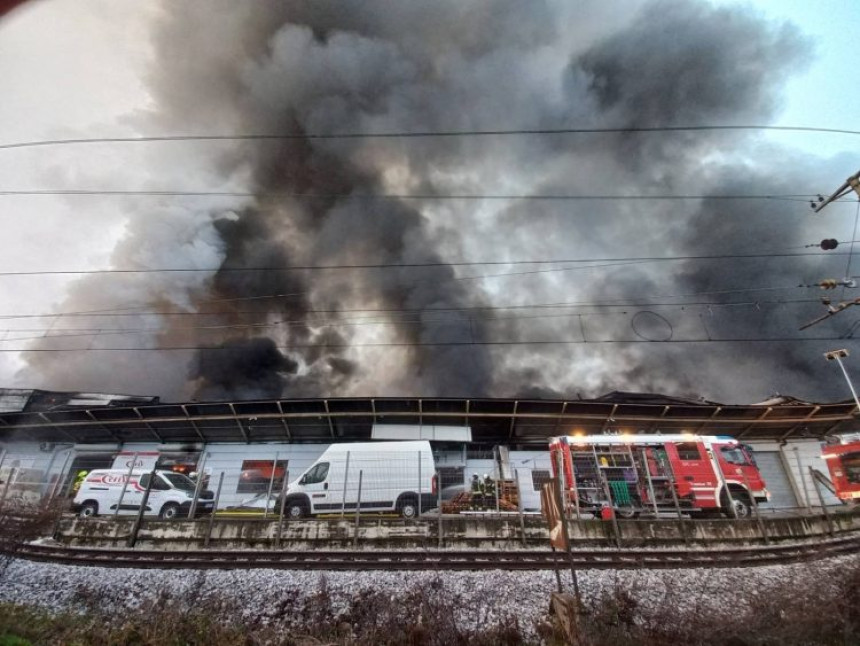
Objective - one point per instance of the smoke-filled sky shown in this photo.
(352, 266)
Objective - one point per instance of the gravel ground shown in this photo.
(484, 597)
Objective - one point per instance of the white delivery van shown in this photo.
(395, 476)
(170, 496)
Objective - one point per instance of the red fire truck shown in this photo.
(843, 462)
(635, 474)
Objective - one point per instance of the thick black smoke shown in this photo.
(306, 68)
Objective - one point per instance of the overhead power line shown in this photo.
(419, 265)
(347, 346)
(416, 134)
(788, 197)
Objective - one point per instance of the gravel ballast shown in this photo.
(483, 597)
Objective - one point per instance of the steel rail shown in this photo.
(443, 559)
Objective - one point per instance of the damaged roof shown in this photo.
(511, 421)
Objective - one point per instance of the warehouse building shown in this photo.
(48, 437)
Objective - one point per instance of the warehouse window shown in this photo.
(257, 474)
(688, 451)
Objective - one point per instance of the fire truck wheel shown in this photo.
(741, 505)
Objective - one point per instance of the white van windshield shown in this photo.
(317, 474)
(179, 481)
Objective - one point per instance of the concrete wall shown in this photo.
(458, 532)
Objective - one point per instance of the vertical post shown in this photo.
(125, 484)
(419, 483)
(565, 530)
(201, 474)
(802, 478)
(283, 501)
(677, 506)
(575, 487)
(345, 480)
(439, 508)
(520, 507)
(758, 519)
(59, 480)
(650, 482)
(714, 456)
(616, 528)
(132, 539)
(271, 484)
(8, 486)
(497, 484)
(358, 509)
(817, 486)
(214, 509)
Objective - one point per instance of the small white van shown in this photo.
(395, 476)
(170, 496)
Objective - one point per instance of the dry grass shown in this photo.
(810, 612)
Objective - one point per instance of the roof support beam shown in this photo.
(752, 425)
(560, 418)
(193, 424)
(513, 420)
(800, 424)
(284, 422)
(328, 417)
(148, 425)
(610, 418)
(239, 424)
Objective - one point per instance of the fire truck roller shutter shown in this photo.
(772, 470)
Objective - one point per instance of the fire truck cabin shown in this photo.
(843, 462)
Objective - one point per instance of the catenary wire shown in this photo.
(418, 134)
(347, 346)
(418, 265)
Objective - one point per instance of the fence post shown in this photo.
(282, 501)
(607, 491)
(59, 480)
(439, 508)
(419, 483)
(345, 479)
(214, 509)
(132, 539)
(758, 519)
(520, 506)
(498, 480)
(650, 482)
(817, 486)
(802, 479)
(271, 484)
(564, 526)
(125, 484)
(358, 509)
(201, 474)
(9, 481)
(677, 507)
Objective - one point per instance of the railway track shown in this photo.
(443, 559)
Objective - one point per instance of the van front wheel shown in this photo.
(169, 511)
(408, 507)
(295, 510)
(88, 509)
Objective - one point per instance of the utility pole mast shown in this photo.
(850, 184)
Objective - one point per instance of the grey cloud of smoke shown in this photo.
(322, 67)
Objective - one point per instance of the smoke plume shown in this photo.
(270, 322)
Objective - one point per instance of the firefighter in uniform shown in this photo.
(476, 491)
(489, 489)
